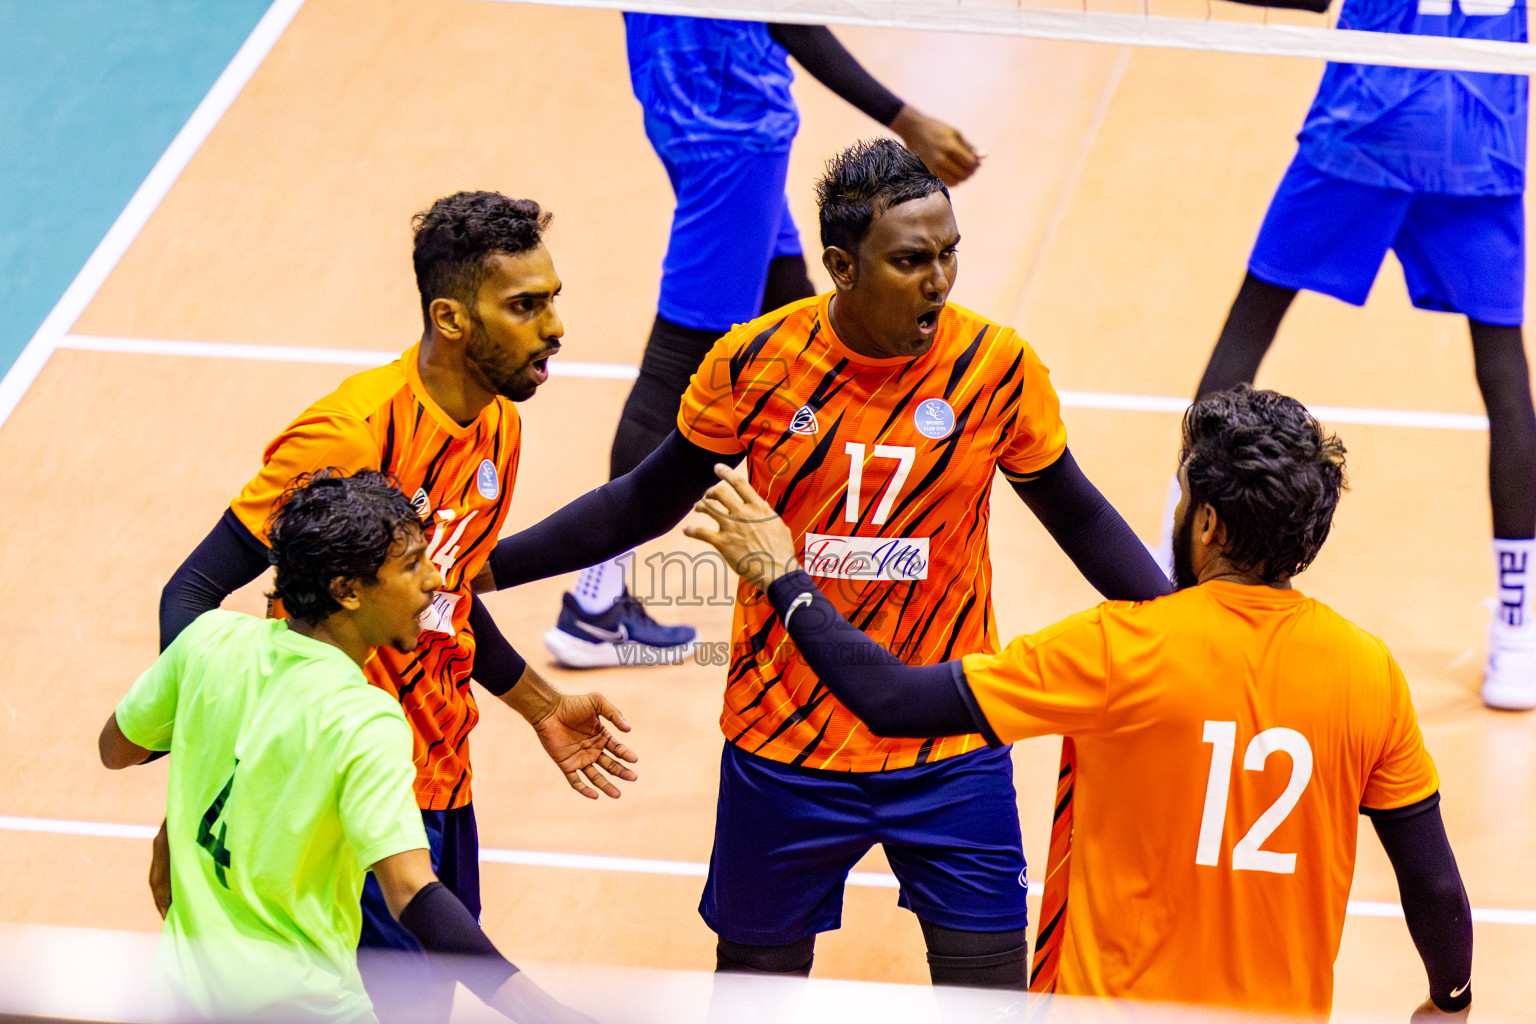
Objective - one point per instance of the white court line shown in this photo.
(304, 354)
(620, 371)
(145, 201)
(647, 866)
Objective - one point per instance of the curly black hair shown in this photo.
(865, 180)
(1271, 473)
(329, 525)
(457, 235)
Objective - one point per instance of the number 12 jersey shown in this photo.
(1224, 741)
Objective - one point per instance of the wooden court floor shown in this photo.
(1110, 224)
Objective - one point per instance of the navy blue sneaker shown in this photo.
(623, 635)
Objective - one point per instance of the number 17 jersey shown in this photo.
(882, 468)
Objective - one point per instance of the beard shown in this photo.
(515, 384)
(1183, 570)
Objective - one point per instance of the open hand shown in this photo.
(574, 737)
(746, 529)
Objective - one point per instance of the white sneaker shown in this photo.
(1509, 679)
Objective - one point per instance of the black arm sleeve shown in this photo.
(1091, 532)
(227, 559)
(443, 926)
(830, 63)
(497, 665)
(642, 504)
(892, 698)
(1434, 900)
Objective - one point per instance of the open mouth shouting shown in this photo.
(539, 368)
(928, 322)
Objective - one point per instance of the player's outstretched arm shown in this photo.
(941, 147)
(639, 506)
(1087, 527)
(445, 928)
(570, 727)
(1434, 903)
(889, 696)
(226, 560)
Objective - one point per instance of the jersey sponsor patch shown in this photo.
(866, 558)
(438, 618)
(934, 419)
(487, 482)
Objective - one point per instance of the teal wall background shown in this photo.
(91, 93)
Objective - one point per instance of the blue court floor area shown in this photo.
(91, 93)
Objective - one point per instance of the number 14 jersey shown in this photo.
(883, 469)
(1226, 739)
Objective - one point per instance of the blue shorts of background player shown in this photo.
(1460, 254)
(786, 838)
(403, 983)
(732, 220)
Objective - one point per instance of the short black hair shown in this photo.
(865, 180)
(1272, 474)
(329, 525)
(457, 235)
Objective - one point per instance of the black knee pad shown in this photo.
(977, 959)
(738, 958)
(787, 282)
(672, 354)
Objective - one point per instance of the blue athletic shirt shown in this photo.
(1451, 132)
(710, 87)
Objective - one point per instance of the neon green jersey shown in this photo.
(291, 776)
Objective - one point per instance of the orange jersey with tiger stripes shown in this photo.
(460, 480)
(1223, 742)
(883, 470)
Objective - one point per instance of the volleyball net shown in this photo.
(1215, 25)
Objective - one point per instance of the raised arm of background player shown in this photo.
(942, 148)
(896, 699)
(568, 725)
(428, 910)
(656, 495)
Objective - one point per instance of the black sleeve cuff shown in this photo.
(443, 925)
(497, 665)
(968, 698)
(1398, 813)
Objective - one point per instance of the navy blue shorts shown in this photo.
(732, 219)
(786, 838)
(455, 845)
(1460, 254)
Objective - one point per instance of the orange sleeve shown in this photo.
(1039, 435)
(707, 414)
(316, 440)
(1053, 681)
(1404, 774)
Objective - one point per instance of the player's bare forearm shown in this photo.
(118, 751)
(160, 871)
(570, 727)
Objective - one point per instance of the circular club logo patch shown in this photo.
(934, 419)
(486, 480)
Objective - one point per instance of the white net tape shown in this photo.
(1085, 25)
